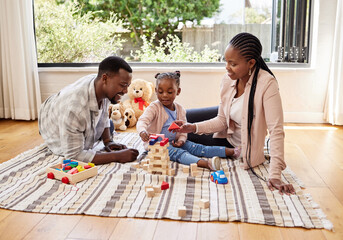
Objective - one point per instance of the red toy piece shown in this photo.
(164, 142)
(65, 180)
(153, 136)
(164, 185)
(67, 168)
(173, 126)
(51, 175)
(86, 166)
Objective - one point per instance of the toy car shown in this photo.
(219, 177)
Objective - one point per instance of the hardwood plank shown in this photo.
(4, 213)
(332, 208)
(54, 226)
(133, 228)
(258, 231)
(18, 224)
(90, 227)
(218, 230)
(168, 229)
(301, 233)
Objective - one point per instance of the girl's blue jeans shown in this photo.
(192, 152)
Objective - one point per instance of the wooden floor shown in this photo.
(314, 153)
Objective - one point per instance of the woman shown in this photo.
(250, 104)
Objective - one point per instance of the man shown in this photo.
(72, 120)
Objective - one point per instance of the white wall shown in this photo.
(302, 90)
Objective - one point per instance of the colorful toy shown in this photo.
(71, 171)
(219, 177)
(173, 126)
(164, 185)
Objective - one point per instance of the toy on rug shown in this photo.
(140, 92)
(129, 117)
(219, 177)
(116, 114)
(71, 171)
(157, 161)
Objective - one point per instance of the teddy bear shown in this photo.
(139, 92)
(116, 114)
(130, 117)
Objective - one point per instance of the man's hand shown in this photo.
(111, 146)
(144, 136)
(126, 155)
(185, 127)
(281, 186)
(178, 143)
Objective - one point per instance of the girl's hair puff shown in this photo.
(169, 75)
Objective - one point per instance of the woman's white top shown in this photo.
(236, 116)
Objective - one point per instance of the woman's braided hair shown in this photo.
(250, 47)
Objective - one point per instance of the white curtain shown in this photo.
(333, 109)
(19, 84)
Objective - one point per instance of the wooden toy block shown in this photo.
(164, 142)
(203, 203)
(152, 141)
(194, 167)
(194, 173)
(147, 186)
(72, 178)
(185, 169)
(171, 172)
(136, 165)
(182, 212)
(164, 185)
(144, 162)
(173, 126)
(157, 188)
(153, 136)
(150, 192)
(145, 167)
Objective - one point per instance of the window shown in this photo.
(86, 31)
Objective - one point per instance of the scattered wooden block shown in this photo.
(147, 186)
(185, 169)
(203, 203)
(150, 192)
(194, 167)
(145, 167)
(136, 165)
(157, 188)
(171, 172)
(182, 212)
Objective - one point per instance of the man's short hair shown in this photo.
(113, 64)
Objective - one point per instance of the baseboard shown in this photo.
(304, 117)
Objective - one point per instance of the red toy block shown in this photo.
(153, 136)
(67, 168)
(51, 175)
(65, 180)
(164, 142)
(173, 126)
(86, 166)
(164, 185)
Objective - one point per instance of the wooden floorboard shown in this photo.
(313, 151)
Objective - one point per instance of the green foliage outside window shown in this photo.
(147, 17)
(172, 50)
(64, 36)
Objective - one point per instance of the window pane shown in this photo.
(86, 31)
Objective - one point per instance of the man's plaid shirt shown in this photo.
(67, 120)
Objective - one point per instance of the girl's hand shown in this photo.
(185, 127)
(144, 136)
(281, 186)
(178, 143)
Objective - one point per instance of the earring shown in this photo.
(249, 71)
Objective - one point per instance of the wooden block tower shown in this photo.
(159, 162)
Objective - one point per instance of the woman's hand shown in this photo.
(178, 143)
(281, 186)
(144, 136)
(185, 127)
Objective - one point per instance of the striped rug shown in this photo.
(118, 191)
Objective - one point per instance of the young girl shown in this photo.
(163, 112)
